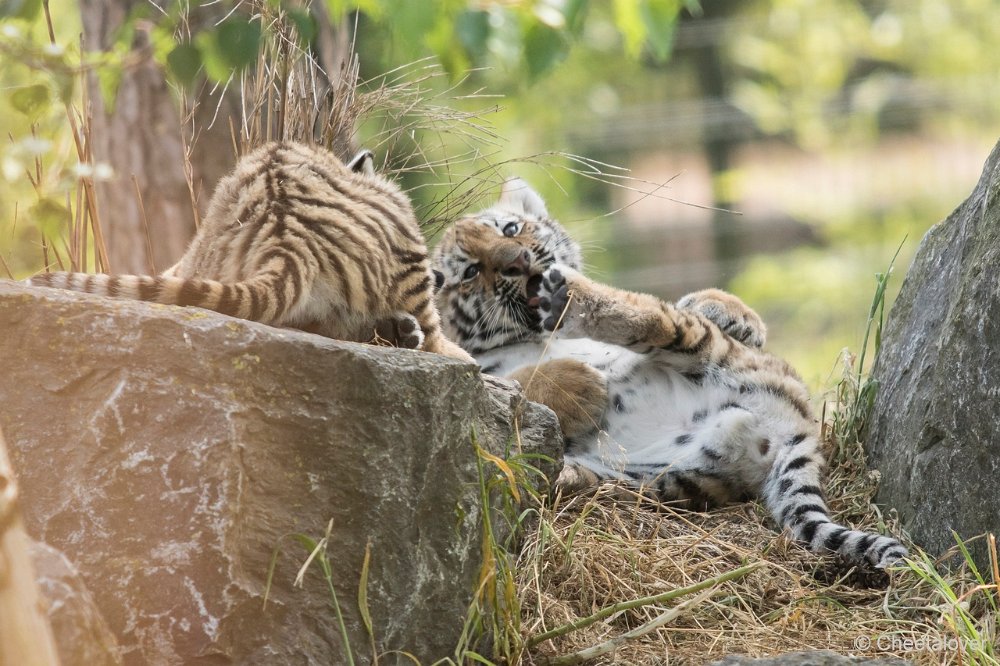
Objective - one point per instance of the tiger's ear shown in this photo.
(438, 280)
(363, 162)
(518, 197)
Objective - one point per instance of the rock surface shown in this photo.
(81, 633)
(168, 452)
(818, 658)
(933, 432)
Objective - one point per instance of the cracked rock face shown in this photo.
(82, 635)
(933, 432)
(169, 452)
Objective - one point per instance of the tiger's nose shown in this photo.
(519, 265)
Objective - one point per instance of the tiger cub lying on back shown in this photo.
(678, 399)
(296, 238)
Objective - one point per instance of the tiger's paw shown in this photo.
(549, 295)
(401, 330)
(729, 313)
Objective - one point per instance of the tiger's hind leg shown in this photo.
(576, 392)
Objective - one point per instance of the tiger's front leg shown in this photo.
(579, 307)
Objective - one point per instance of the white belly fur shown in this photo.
(658, 402)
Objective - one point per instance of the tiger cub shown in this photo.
(680, 400)
(295, 238)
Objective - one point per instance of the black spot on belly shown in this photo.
(617, 402)
(699, 416)
(694, 377)
(683, 439)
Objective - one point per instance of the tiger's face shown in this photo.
(484, 263)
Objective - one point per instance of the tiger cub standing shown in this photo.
(680, 400)
(294, 237)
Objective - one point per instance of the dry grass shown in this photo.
(591, 551)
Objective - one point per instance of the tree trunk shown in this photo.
(139, 135)
(25, 634)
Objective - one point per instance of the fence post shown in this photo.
(25, 634)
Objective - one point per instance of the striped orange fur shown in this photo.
(294, 237)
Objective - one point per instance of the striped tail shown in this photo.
(793, 495)
(267, 297)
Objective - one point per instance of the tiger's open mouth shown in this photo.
(531, 286)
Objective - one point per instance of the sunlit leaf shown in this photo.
(65, 84)
(49, 215)
(109, 78)
(32, 101)
(628, 19)
(339, 9)
(506, 469)
(660, 19)
(449, 51)
(414, 24)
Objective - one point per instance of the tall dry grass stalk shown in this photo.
(84, 235)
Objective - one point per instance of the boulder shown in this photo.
(933, 431)
(170, 452)
(81, 633)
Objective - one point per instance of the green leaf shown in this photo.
(184, 62)
(472, 27)
(660, 19)
(339, 9)
(544, 47)
(230, 48)
(366, 615)
(32, 101)
(575, 12)
(449, 51)
(109, 78)
(49, 215)
(628, 19)
(307, 541)
(305, 25)
(413, 25)
(238, 40)
(20, 9)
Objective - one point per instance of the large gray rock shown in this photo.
(168, 452)
(935, 430)
(81, 633)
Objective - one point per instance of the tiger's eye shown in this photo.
(471, 272)
(510, 229)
